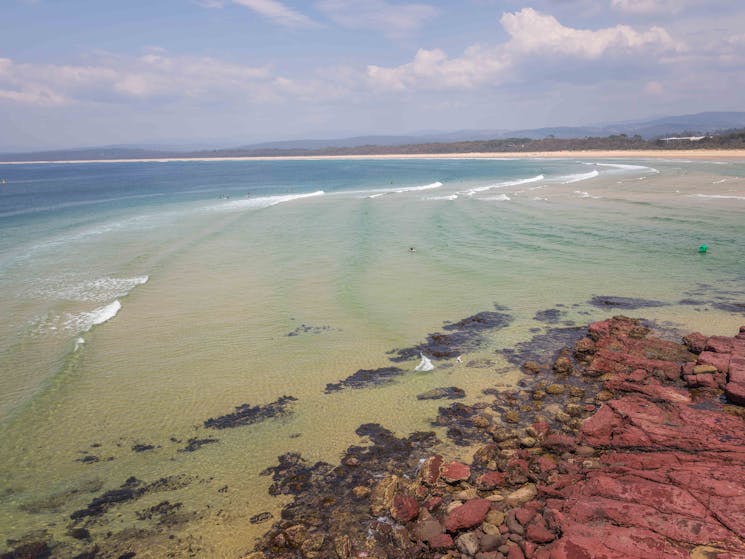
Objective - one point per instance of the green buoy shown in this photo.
(702, 249)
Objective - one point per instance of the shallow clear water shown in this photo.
(140, 299)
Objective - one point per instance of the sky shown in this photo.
(231, 72)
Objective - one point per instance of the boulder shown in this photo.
(453, 472)
(467, 515)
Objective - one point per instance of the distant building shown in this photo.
(683, 138)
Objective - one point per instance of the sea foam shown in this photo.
(721, 196)
(98, 290)
(430, 186)
(84, 321)
(498, 198)
(569, 179)
(626, 167)
(451, 197)
(262, 202)
(516, 182)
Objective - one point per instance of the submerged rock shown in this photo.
(196, 444)
(626, 303)
(450, 392)
(465, 336)
(549, 316)
(247, 415)
(366, 377)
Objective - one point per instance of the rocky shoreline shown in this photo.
(622, 446)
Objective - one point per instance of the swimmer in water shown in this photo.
(411, 249)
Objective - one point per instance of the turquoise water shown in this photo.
(141, 299)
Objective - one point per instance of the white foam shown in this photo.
(540, 198)
(719, 181)
(451, 197)
(583, 194)
(79, 343)
(98, 290)
(430, 186)
(721, 196)
(425, 364)
(84, 321)
(498, 198)
(627, 167)
(516, 182)
(379, 193)
(569, 179)
(261, 202)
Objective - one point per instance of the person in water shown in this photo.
(411, 249)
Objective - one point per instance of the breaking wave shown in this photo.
(261, 202)
(720, 196)
(569, 179)
(98, 290)
(84, 321)
(516, 182)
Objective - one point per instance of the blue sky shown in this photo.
(81, 73)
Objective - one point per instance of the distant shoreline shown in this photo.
(701, 154)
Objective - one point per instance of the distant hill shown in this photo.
(601, 136)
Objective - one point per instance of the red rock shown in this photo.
(558, 442)
(515, 553)
(538, 533)
(432, 503)
(490, 480)
(430, 470)
(613, 542)
(737, 370)
(428, 530)
(546, 464)
(542, 553)
(541, 428)
(735, 393)
(404, 508)
(469, 514)
(719, 360)
(695, 341)
(526, 513)
(705, 380)
(453, 472)
(719, 344)
(652, 388)
(441, 541)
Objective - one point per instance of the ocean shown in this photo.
(141, 299)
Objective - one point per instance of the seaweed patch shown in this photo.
(628, 303)
(247, 415)
(366, 377)
(465, 336)
(196, 444)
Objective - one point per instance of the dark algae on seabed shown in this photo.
(621, 445)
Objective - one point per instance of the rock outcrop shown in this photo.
(638, 456)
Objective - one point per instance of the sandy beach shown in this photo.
(703, 154)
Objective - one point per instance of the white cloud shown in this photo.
(534, 32)
(154, 77)
(432, 69)
(532, 35)
(378, 15)
(278, 13)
